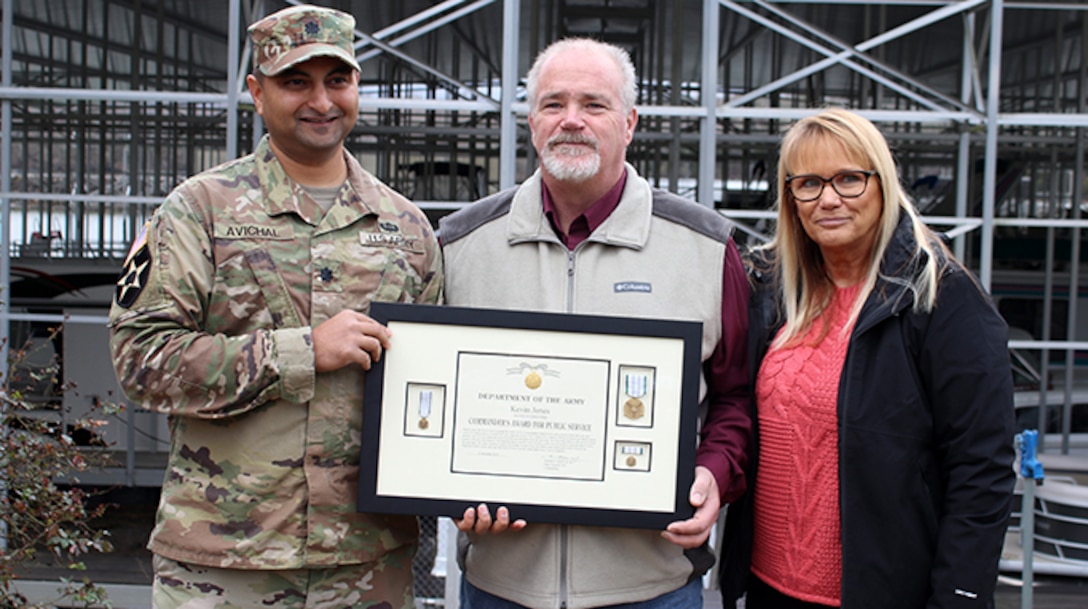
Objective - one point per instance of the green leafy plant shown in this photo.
(43, 509)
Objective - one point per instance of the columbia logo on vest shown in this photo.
(632, 286)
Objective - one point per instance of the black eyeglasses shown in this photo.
(809, 187)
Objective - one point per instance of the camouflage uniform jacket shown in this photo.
(264, 456)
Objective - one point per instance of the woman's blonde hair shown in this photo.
(804, 287)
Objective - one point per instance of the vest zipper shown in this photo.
(563, 566)
(563, 530)
(570, 281)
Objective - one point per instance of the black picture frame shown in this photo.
(502, 407)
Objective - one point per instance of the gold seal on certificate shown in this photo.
(533, 374)
(634, 385)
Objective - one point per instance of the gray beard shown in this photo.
(571, 168)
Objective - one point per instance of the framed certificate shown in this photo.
(562, 418)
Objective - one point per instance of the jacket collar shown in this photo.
(282, 195)
(892, 293)
(627, 226)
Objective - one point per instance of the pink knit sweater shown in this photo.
(797, 547)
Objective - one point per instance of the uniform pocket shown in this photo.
(367, 274)
(249, 292)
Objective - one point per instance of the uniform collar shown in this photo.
(283, 195)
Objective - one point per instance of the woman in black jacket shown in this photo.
(883, 397)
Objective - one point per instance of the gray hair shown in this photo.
(628, 89)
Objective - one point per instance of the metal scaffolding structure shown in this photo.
(105, 105)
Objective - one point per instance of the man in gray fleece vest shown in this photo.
(586, 234)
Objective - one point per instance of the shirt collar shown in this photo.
(588, 221)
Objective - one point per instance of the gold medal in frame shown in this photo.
(424, 410)
(635, 396)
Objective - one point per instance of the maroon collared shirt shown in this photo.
(588, 221)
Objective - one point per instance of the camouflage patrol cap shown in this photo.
(300, 33)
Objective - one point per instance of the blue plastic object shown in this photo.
(1030, 466)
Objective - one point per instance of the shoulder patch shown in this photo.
(138, 242)
(135, 272)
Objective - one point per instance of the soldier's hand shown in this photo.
(478, 520)
(348, 338)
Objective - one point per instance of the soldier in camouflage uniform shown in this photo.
(241, 313)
